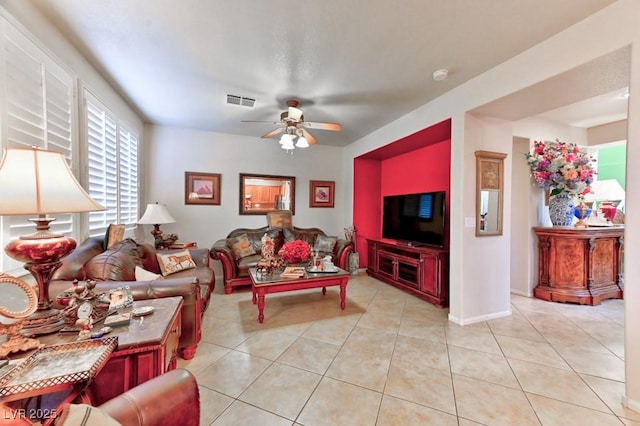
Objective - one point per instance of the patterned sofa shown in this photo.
(235, 267)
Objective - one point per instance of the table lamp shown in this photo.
(156, 214)
(39, 182)
(606, 192)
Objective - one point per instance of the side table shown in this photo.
(67, 367)
(147, 347)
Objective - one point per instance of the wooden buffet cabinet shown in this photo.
(580, 265)
(419, 270)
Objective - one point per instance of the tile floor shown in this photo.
(393, 359)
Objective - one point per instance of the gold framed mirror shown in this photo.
(260, 194)
(489, 192)
(19, 300)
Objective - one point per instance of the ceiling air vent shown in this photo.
(241, 101)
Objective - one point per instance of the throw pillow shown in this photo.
(144, 275)
(325, 244)
(115, 234)
(241, 246)
(280, 219)
(171, 263)
(83, 414)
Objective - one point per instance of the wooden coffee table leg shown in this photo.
(260, 306)
(343, 296)
(324, 291)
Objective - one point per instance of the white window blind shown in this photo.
(36, 111)
(112, 158)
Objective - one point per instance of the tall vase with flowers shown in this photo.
(565, 170)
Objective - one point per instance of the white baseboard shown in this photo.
(480, 318)
(630, 404)
(522, 293)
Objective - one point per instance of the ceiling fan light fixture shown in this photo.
(295, 113)
(302, 142)
(286, 142)
(286, 139)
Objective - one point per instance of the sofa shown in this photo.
(169, 399)
(235, 266)
(115, 267)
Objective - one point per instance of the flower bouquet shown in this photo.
(297, 251)
(561, 167)
(566, 171)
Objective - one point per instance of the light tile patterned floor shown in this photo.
(393, 359)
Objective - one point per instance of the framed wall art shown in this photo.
(260, 194)
(321, 193)
(202, 188)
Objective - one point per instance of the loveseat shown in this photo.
(115, 267)
(236, 264)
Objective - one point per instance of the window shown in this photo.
(112, 160)
(36, 111)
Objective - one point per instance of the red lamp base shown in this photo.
(41, 253)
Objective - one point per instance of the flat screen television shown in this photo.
(415, 218)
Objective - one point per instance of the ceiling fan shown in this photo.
(292, 126)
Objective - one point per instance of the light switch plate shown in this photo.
(469, 222)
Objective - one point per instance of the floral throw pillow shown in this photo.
(241, 246)
(171, 263)
(325, 244)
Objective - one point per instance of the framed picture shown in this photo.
(321, 193)
(118, 298)
(202, 188)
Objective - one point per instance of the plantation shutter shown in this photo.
(128, 177)
(37, 111)
(113, 168)
(102, 165)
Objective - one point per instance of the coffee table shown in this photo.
(263, 285)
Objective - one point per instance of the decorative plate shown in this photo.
(144, 310)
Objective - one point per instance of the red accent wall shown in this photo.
(390, 170)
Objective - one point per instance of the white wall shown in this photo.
(172, 151)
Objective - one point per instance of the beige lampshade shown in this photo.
(39, 182)
(156, 214)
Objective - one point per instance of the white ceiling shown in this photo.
(359, 63)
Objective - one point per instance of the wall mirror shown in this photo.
(489, 192)
(260, 194)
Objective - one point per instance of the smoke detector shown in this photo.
(440, 75)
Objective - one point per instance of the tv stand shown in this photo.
(421, 271)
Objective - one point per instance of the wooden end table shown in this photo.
(147, 348)
(261, 286)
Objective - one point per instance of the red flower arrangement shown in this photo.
(296, 251)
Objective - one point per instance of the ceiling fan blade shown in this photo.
(277, 123)
(273, 133)
(309, 137)
(336, 127)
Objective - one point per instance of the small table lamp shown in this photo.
(39, 182)
(156, 214)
